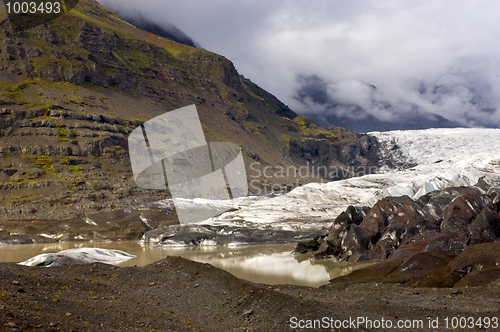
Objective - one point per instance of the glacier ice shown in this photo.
(80, 256)
(434, 159)
(444, 158)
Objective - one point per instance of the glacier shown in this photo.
(79, 256)
(443, 158)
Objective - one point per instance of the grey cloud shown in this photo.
(438, 56)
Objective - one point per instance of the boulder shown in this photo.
(436, 202)
(326, 250)
(486, 226)
(396, 210)
(306, 246)
(358, 237)
(462, 211)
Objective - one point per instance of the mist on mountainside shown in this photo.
(164, 29)
(363, 107)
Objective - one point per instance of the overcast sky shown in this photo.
(441, 55)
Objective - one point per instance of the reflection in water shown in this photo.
(267, 264)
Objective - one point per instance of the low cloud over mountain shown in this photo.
(164, 28)
(435, 57)
(362, 107)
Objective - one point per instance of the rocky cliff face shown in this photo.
(72, 90)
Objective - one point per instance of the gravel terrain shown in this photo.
(176, 294)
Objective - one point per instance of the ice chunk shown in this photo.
(79, 256)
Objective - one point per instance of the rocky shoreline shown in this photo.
(419, 275)
(175, 294)
(153, 226)
(435, 256)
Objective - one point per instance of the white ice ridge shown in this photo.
(81, 256)
(464, 147)
(445, 158)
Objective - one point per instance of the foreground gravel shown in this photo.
(176, 294)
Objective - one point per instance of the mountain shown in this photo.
(73, 89)
(319, 104)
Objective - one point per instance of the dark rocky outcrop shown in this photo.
(330, 245)
(307, 246)
(445, 221)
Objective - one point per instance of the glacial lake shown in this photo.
(266, 264)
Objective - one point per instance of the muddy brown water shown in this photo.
(266, 264)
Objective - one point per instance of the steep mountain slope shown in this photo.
(73, 89)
